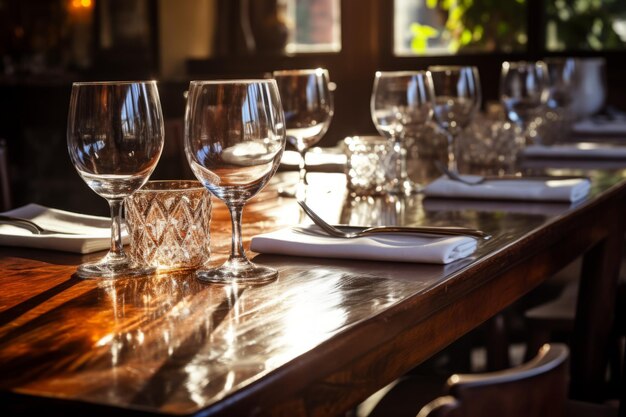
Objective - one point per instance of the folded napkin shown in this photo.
(321, 159)
(576, 151)
(310, 241)
(597, 126)
(540, 208)
(515, 189)
(67, 231)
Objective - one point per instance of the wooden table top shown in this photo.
(315, 342)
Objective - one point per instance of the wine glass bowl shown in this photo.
(457, 99)
(560, 80)
(308, 109)
(234, 140)
(401, 102)
(115, 139)
(523, 90)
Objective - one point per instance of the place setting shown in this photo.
(378, 166)
(312, 207)
(234, 138)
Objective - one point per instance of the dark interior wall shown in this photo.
(34, 106)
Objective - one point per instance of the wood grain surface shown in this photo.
(315, 342)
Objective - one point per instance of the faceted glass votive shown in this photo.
(168, 223)
(490, 147)
(367, 164)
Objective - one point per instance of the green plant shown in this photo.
(583, 24)
(476, 25)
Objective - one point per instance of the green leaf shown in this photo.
(479, 30)
(421, 34)
(466, 37)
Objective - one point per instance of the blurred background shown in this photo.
(45, 45)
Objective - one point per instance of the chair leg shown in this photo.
(497, 344)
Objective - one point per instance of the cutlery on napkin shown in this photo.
(66, 231)
(392, 247)
(572, 189)
(576, 151)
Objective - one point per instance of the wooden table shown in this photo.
(318, 340)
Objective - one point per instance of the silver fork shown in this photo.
(337, 232)
(481, 180)
(25, 223)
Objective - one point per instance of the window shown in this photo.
(314, 25)
(445, 27)
(585, 25)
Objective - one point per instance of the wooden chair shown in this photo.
(5, 190)
(557, 317)
(537, 388)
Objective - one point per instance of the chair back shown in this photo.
(536, 388)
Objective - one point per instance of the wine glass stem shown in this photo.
(302, 166)
(401, 173)
(523, 127)
(452, 163)
(300, 193)
(116, 253)
(236, 249)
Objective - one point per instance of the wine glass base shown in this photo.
(404, 187)
(239, 272)
(113, 270)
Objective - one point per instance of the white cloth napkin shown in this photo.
(517, 189)
(331, 159)
(541, 208)
(78, 233)
(392, 247)
(600, 127)
(576, 151)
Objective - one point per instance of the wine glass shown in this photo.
(555, 121)
(457, 99)
(308, 107)
(401, 101)
(523, 90)
(115, 139)
(561, 74)
(234, 139)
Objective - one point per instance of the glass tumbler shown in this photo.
(366, 164)
(168, 223)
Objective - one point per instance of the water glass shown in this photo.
(308, 107)
(457, 99)
(168, 223)
(401, 102)
(366, 165)
(523, 90)
(490, 147)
